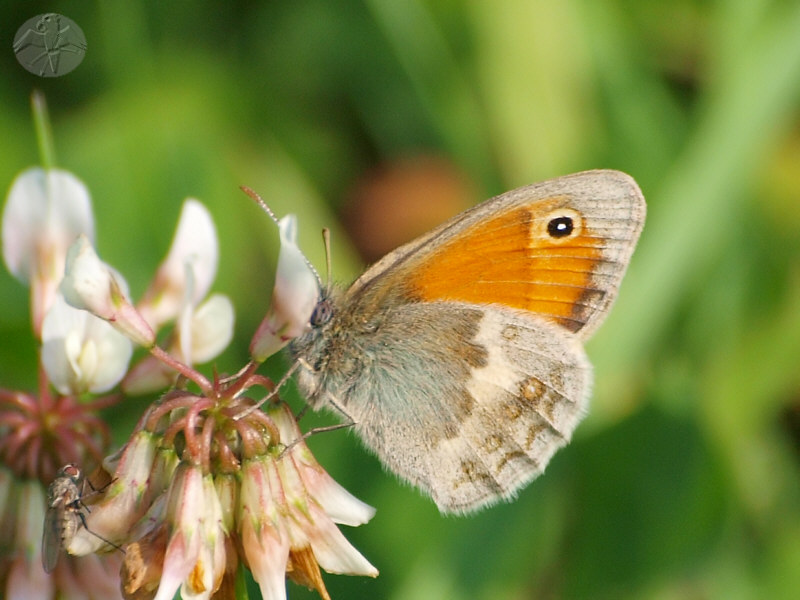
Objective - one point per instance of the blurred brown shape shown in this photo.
(402, 200)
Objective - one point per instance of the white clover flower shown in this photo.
(243, 493)
(288, 511)
(125, 500)
(90, 284)
(211, 327)
(294, 297)
(44, 212)
(210, 330)
(203, 328)
(195, 553)
(190, 264)
(80, 352)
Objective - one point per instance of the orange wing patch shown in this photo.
(515, 260)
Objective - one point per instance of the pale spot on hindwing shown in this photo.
(493, 442)
(544, 398)
(510, 332)
(532, 389)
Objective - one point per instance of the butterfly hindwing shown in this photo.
(470, 411)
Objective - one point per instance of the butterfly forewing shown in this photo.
(556, 249)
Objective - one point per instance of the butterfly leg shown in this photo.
(350, 422)
(249, 410)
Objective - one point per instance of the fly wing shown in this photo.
(52, 535)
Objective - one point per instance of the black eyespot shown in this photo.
(323, 312)
(560, 227)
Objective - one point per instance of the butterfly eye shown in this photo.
(560, 227)
(323, 312)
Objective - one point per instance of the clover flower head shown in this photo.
(195, 479)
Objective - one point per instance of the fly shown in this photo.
(64, 514)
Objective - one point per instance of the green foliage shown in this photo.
(683, 481)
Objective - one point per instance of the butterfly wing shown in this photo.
(557, 249)
(466, 403)
(459, 355)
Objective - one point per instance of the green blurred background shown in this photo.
(361, 115)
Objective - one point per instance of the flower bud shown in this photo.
(92, 285)
(294, 297)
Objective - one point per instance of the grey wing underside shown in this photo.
(472, 427)
(51, 540)
(58, 522)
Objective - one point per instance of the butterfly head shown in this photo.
(311, 347)
(323, 311)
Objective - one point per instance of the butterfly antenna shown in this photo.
(314, 270)
(326, 240)
(260, 201)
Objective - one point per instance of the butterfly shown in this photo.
(459, 356)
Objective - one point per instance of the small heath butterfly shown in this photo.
(459, 356)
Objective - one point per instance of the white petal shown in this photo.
(81, 352)
(310, 525)
(332, 550)
(294, 297)
(45, 212)
(267, 557)
(88, 282)
(92, 285)
(113, 351)
(339, 504)
(194, 245)
(266, 547)
(296, 285)
(183, 346)
(212, 328)
(184, 512)
(147, 376)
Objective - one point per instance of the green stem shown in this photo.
(44, 134)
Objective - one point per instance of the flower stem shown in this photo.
(184, 369)
(44, 133)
